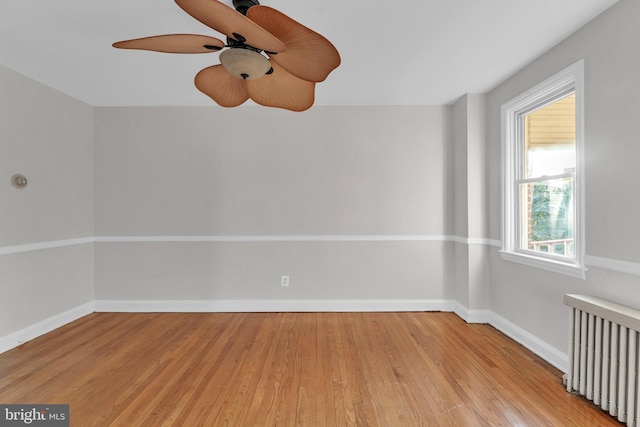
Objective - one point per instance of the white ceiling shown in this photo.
(416, 52)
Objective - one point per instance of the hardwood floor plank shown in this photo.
(290, 369)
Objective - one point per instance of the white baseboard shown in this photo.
(271, 305)
(471, 316)
(552, 355)
(541, 348)
(47, 325)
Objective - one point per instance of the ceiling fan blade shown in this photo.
(282, 90)
(222, 87)
(233, 24)
(174, 43)
(309, 55)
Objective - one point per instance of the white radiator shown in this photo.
(603, 355)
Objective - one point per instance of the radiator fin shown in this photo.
(604, 341)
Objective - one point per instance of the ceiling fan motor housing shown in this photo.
(243, 5)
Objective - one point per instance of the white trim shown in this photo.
(273, 238)
(619, 266)
(571, 78)
(554, 266)
(470, 316)
(47, 325)
(549, 353)
(544, 178)
(627, 267)
(301, 238)
(495, 243)
(474, 241)
(6, 250)
(233, 306)
(29, 247)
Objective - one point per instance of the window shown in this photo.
(542, 179)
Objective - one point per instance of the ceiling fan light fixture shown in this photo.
(254, 35)
(244, 63)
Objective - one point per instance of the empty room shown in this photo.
(319, 213)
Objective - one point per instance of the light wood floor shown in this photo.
(286, 369)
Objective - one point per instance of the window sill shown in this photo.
(567, 269)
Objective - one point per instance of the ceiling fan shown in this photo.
(271, 58)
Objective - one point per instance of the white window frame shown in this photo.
(567, 80)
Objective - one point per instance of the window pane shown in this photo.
(548, 224)
(550, 139)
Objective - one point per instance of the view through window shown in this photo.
(547, 178)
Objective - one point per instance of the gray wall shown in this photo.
(47, 136)
(351, 172)
(470, 255)
(351, 202)
(532, 298)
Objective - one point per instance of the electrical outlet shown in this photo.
(284, 281)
